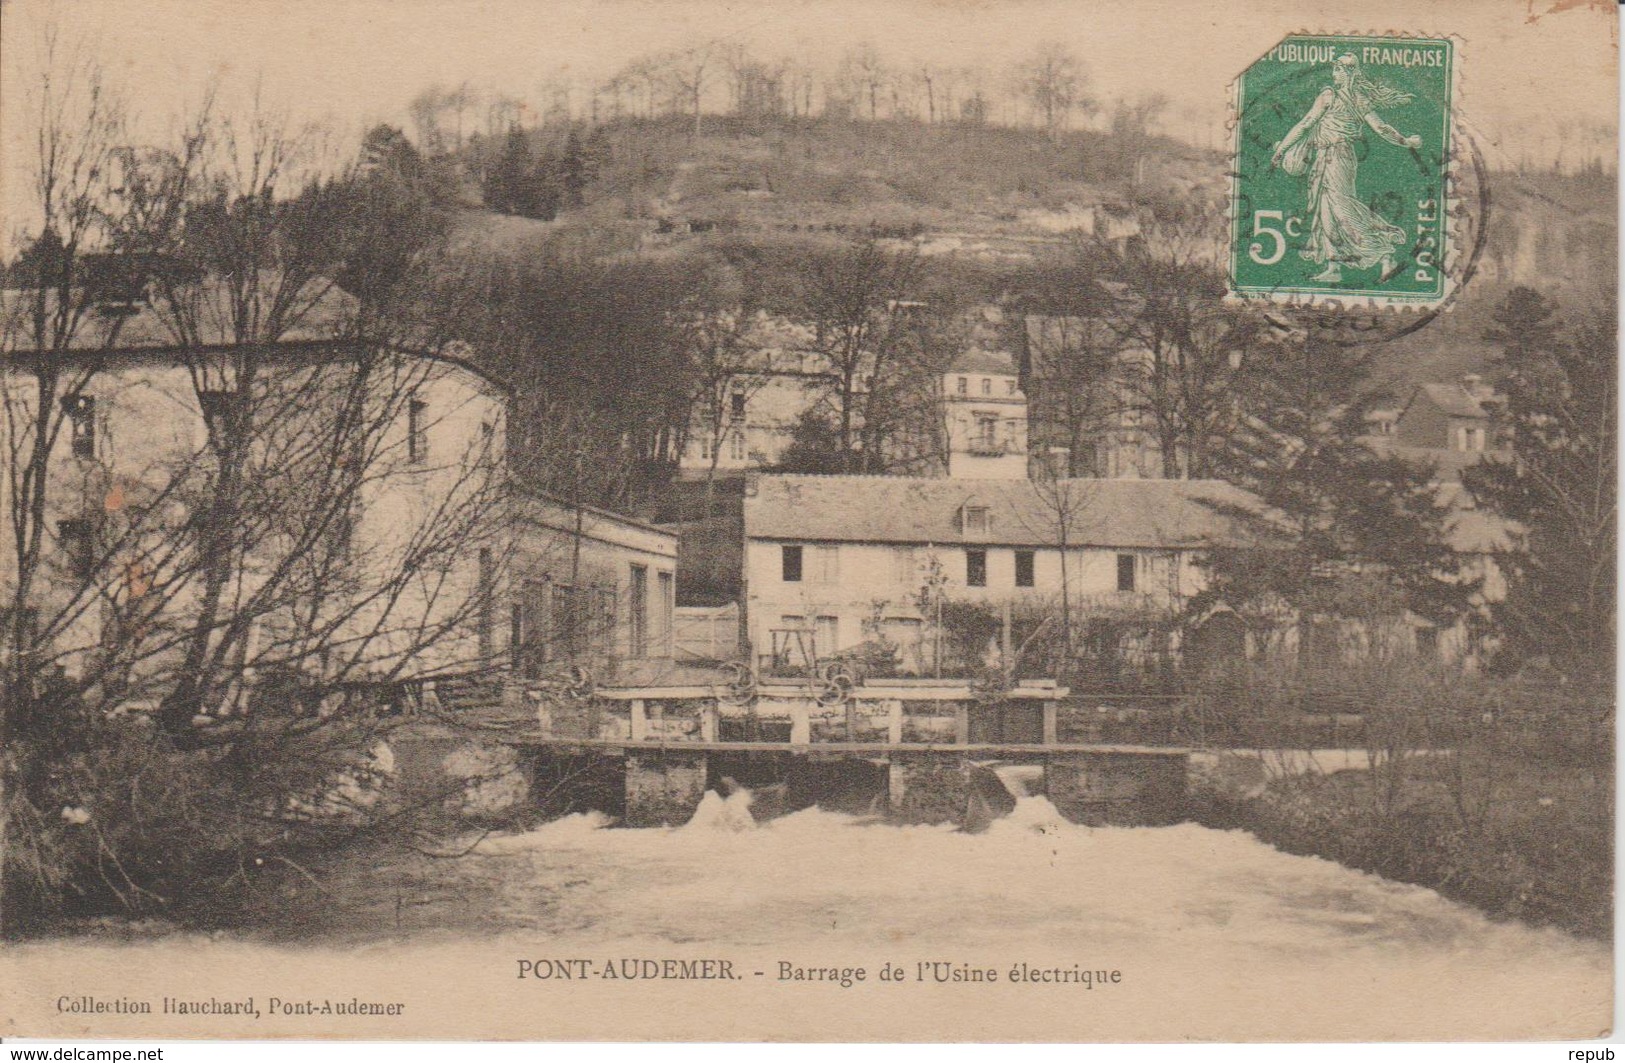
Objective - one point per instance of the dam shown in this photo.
(920, 751)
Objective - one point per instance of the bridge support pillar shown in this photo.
(929, 787)
(663, 788)
(1117, 789)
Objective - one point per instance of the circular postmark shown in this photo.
(1353, 190)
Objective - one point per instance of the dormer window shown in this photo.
(974, 519)
(737, 405)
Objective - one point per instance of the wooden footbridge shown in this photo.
(921, 749)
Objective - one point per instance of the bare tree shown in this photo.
(866, 72)
(264, 260)
(1066, 504)
(856, 302)
(273, 539)
(1054, 80)
(726, 361)
(685, 74)
(70, 292)
(1182, 345)
(757, 87)
(1073, 375)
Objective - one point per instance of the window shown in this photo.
(826, 635)
(1009, 387)
(736, 445)
(570, 627)
(986, 439)
(417, 441)
(487, 618)
(81, 411)
(987, 386)
(1125, 572)
(705, 447)
(905, 571)
(826, 564)
(516, 640)
(964, 386)
(1024, 568)
(974, 520)
(737, 405)
(78, 540)
(640, 611)
(488, 437)
(603, 620)
(1427, 642)
(664, 608)
(976, 568)
(791, 563)
(529, 629)
(216, 407)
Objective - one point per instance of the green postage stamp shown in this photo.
(1341, 176)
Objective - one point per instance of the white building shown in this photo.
(748, 419)
(588, 586)
(845, 559)
(374, 534)
(365, 513)
(985, 413)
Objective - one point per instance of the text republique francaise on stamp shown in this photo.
(1341, 177)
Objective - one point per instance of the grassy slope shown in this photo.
(994, 194)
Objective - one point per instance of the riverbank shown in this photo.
(1525, 840)
(1217, 937)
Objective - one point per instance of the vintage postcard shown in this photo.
(906, 520)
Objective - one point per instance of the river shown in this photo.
(1214, 935)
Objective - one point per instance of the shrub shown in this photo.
(105, 815)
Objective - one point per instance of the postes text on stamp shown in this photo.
(1341, 176)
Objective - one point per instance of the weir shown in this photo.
(918, 751)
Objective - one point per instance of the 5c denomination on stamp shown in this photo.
(1341, 178)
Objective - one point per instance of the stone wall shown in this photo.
(663, 789)
(929, 787)
(1117, 789)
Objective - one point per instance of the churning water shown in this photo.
(1215, 935)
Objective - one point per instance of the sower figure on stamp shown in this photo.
(1343, 230)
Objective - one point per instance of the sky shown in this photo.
(1532, 78)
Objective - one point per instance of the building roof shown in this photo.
(1148, 514)
(319, 329)
(320, 314)
(981, 360)
(554, 512)
(1453, 399)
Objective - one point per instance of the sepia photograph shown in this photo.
(808, 521)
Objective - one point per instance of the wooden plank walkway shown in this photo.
(619, 745)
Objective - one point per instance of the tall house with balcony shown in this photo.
(986, 417)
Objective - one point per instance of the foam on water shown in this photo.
(1270, 944)
(731, 813)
